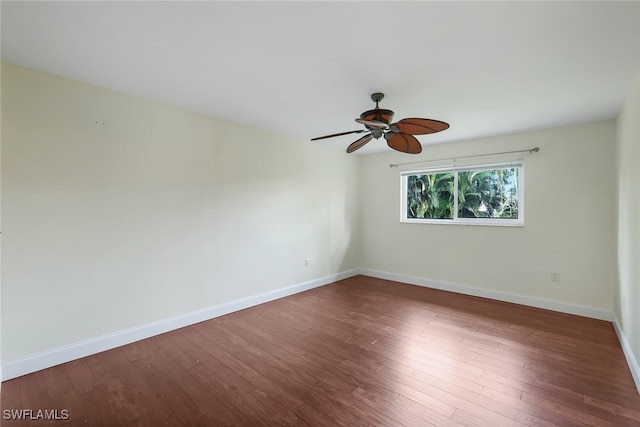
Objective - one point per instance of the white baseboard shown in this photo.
(548, 304)
(56, 356)
(632, 360)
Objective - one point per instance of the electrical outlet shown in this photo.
(555, 277)
(306, 262)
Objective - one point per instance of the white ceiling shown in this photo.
(307, 69)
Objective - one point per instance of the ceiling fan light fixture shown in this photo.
(377, 133)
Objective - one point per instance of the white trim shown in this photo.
(453, 167)
(492, 222)
(56, 356)
(548, 304)
(632, 360)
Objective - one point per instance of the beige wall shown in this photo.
(118, 211)
(569, 220)
(627, 292)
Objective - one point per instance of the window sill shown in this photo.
(480, 222)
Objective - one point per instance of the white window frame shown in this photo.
(502, 222)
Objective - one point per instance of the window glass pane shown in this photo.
(489, 193)
(430, 196)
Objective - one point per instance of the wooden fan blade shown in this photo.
(359, 143)
(403, 142)
(339, 134)
(417, 126)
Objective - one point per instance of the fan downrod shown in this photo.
(377, 97)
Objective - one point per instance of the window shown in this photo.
(481, 194)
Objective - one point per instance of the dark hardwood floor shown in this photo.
(358, 352)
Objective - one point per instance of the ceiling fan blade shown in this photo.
(417, 126)
(403, 142)
(372, 123)
(359, 143)
(338, 134)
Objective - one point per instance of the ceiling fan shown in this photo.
(399, 135)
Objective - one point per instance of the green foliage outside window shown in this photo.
(487, 193)
(430, 196)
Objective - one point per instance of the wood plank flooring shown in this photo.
(358, 352)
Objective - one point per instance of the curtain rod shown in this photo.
(531, 150)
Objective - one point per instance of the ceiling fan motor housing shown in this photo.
(378, 115)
